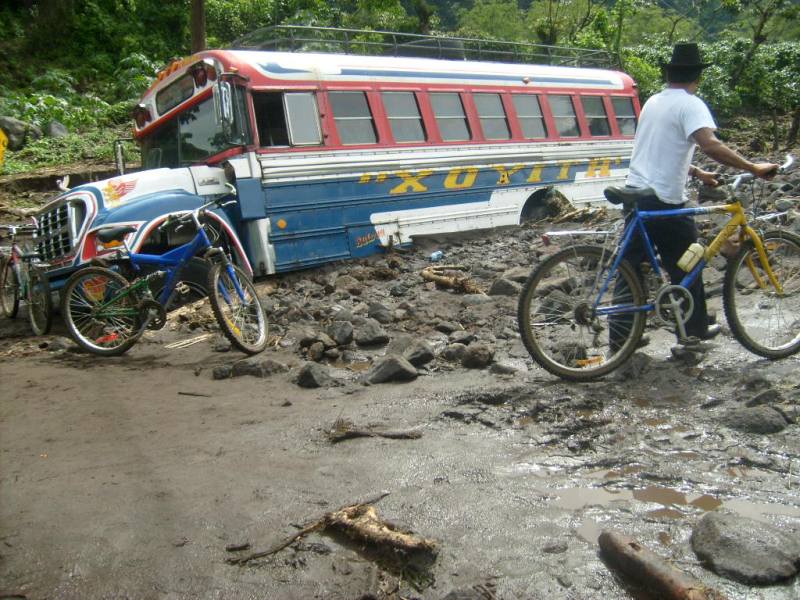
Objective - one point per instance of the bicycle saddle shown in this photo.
(627, 196)
(110, 234)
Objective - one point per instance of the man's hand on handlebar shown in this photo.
(765, 170)
(707, 177)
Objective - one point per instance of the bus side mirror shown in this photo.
(223, 104)
(119, 154)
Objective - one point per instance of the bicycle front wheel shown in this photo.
(40, 304)
(763, 321)
(558, 314)
(237, 308)
(9, 289)
(101, 316)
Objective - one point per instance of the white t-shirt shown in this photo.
(663, 148)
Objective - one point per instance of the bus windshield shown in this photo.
(193, 135)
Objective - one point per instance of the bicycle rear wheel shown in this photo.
(40, 304)
(9, 289)
(762, 321)
(99, 316)
(240, 316)
(557, 318)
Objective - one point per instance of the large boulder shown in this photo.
(18, 132)
(391, 368)
(751, 552)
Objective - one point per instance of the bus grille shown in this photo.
(57, 230)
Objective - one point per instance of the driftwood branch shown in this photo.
(442, 275)
(359, 522)
(651, 571)
(345, 430)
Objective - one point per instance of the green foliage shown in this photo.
(95, 146)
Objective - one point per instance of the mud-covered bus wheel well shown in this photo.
(544, 203)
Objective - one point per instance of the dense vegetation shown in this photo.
(84, 62)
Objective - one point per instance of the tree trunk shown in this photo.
(198, 25)
(791, 139)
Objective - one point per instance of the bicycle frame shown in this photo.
(737, 222)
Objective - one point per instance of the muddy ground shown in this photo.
(129, 477)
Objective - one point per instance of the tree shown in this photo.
(198, 25)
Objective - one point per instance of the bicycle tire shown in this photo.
(9, 289)
(40, 302)
(558, 294)
(103, 334)
(747, 304)
(243, 321)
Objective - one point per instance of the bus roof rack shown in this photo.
(304, 38)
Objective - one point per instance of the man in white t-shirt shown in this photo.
(671, 124)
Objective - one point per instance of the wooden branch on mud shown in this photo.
(359, 522)
(652, 572)
(461, 283)
(345, 430)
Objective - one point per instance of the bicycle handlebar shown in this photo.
(184, 218)
(742, 177)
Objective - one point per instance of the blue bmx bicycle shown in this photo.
(582, 311)
(106, 313)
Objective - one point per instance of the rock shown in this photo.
(687, 355)
(783, 204)
(399, 344)
(756, 419)
(380, 313)
(398, 290)
(341, 332)
(391, 368)
(454, 352)
(710, 194)
(54, 129)
(256, 367)
(315, 351)
(751, 552)
(222, 372)
(221, 344)
(18, 132)
(419, 353)
(314, 375)
(768, 396)
(447, 327)
(518, 274)
(370, 333)
(503, 369)
(555, 548)
(505, 287)
(477, 356)
(462, 337)
(475, 299)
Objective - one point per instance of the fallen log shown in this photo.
(650, 571)
(345, 430)
(438, 274)
(359, 522)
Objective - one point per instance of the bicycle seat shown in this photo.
(111, 234)
(627, 196)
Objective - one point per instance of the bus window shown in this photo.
(270, 119)
(353, 117)
(200, 136)
(626, 118)
(450, 116)
(529, 114)
(493, 116)
(564, 116)
(174, 94)
(404, 118)
(596, 115)
(303, 118)
(160, 148)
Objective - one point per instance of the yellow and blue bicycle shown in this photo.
(582, 311)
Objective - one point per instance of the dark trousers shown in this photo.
(671, 237)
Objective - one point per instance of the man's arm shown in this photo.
(713, 147)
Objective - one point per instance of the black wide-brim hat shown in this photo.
(685, 56)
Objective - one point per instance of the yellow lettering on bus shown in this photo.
(505, 174)
(452, 182)
(599, 167)
(379, 178)
(536, 174)
(411, 182)
(565, 167)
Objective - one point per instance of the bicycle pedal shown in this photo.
(182, 288)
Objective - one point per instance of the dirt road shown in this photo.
(129, 477)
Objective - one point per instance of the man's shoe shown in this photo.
(713, 331)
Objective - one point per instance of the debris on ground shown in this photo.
(345, 430)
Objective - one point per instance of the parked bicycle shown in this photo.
(22, 275)
(582, 311)
(106, 313)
